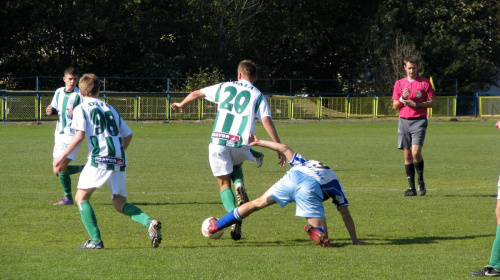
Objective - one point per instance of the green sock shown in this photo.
(72, 169)
(136, 214)
(66, 184)
(495, 251)
(255, 154)
(228, 201)
(237, 175)
(89, 220)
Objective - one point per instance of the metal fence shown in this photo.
(30, 106)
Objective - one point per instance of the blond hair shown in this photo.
(89, 85)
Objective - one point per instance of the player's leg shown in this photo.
(239, 186)
(117, 183)
(316, 229)
(418, 136)
(226, 194)
(243, 211)
(259, 157)
(418, 164)
(493, 269)
(89, 219)
(65, 179)
(404, 143)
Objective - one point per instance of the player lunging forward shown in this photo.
(107, 136)
(238, 104)
(308, 183)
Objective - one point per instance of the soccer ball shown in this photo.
(204, 229)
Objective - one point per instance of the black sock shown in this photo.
(410, 174)
(419, 166)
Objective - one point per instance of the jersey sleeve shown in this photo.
(53, 103)
(263, 109)
(124, 129)
(396, 92)
(79, 120)
(211, 92)
(297, 160)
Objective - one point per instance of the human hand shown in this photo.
(252, 140)
(58, 160)
(498, 125)
(50, 111)
(176, 106)
(70, 111)
(282, 158)
(406, 93)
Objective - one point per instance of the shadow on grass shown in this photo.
(166, 203)
(423, 239)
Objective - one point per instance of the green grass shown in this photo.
(440, 236)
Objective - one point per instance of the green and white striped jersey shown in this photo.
(104, 129)
(63, 101)
(238, 104)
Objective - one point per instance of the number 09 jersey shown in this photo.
(238, 104)
(105, 129)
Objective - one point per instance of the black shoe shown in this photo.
(487, 271)
(236, 231)
(410, 192)
(421, 188)
(92, 245)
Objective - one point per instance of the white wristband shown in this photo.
(401, 99)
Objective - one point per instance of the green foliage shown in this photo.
(204, 78)
(440, 236)
(288, 39)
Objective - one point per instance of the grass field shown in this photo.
(442, 235)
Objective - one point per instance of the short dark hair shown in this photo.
(411, 59)
(248, 68)
(89, 85)
(71, 71)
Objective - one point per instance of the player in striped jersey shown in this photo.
(308, 183)
(238, 104)
(107, 137)
(65, 99)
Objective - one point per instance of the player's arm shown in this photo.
(190, 98)
(268, 124)
(50, 110)
(283, 149)
(79, 136)
(349, 225)
(428, 104)
(126, 141)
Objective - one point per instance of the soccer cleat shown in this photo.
(212, 227)
(92, 245)
(487, 271)
(317, 235)
(410, 192)
(155, 233)
(259, 160)
(241, 193)
(65, 201)
(421, 188)
(236, 231)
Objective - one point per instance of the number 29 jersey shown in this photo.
(105, 129)
(238, 104)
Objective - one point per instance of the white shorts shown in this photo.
(498, 192)
(61, 143)
(306, 192)
(223, 158)
(92, 177)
